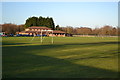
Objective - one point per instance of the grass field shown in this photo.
(68, 57)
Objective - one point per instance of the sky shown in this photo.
(75, 14)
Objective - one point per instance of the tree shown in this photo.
(52, 25)
(9, 28)
(84, 30)
(0, 27)
(57, 27)
(20, 28)
(118, 31)
(96, 31)
(32, 21)
(41, 21)
(105, 30)
(67, 29)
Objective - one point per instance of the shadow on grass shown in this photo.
(32, 66)
(95, 43)
(7, 43)
(19, 64)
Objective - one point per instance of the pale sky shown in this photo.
(75, 14)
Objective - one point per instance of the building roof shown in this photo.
(32, 31)
(40, 31)
(21, 32)
(56, 31)
(36, 27)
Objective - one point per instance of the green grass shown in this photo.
(68, 57)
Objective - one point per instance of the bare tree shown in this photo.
(12, 28)
(84, 30)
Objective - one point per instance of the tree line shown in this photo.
(40, 21)
(9, 28)
(103, 31)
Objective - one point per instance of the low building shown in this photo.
(2, 34)
(58, 33)
(45, 31)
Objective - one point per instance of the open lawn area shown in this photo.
(68, 57)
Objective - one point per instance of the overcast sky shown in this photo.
(76, 14)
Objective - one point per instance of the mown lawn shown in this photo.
(68, 57)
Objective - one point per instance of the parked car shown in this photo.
(44, 35)
(40, 35)
(3, 35)
(25, 35)
(10, 35)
